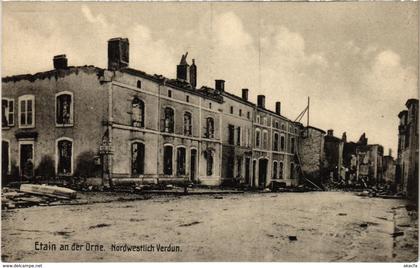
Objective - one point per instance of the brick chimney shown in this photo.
(278, 107)
(60, 62)
(220, 85)
(183, 69)
(245, 94)
(118, 53)
(261, 101)
(193, 74)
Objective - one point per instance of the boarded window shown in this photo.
(64, 157)
(167, 160)
(181, 156)
(137, 158)
(64, 109)
(137, 109)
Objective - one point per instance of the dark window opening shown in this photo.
(231, 138)
(248, 115)
(282, 145)
(187, 124)
(137, 109)
(137, 158)
(292, 171)
(170, 93)
(209, 168)
(187, 98)
(169, 120)
(231, 109)
(64, 157)
(276, 142)
(274, 175)
(64, 109)
(292, 145)
(209, 128)
(181, 156)
(240, 112)
(167, 160)
(238, 136)
(138, 84)
(257, 138)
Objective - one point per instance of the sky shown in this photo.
(358, 62)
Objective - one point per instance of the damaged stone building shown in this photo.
(407, 166)
(127, 126)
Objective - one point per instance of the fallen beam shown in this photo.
(48, 190)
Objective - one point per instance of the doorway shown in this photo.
(262, 172)
(247, 166)
(26, 163)
(193, 161)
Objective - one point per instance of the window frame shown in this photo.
(26, 98)
(207, 134)
(143, 122)
(172, 160)
(190, 126)
(173, 120)
(71, 109)
(57, 155)
(131, 157)
(258, 138)
(180, 147)
(9, 100)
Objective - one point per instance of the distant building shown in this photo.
(389, 166)
(333, 160)
(408, 150)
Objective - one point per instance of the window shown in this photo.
(137, 158)
(281, 170)
(231, 134)
(209, 168)
(169, 93)
(169, 120)
(209, 105)
(240, 112)
(249, 137)
(257, 138)
(276, 124)
(239, 172)
(7, 112)
(138, 84)
(292, 171)
(265, 121)
(238, 136)
(187, 98)
(283, 127)
(296, 131)
(209, 128)
(265, 139)
(167, 160)
(26, 111)
(274, 175)
(248, 115)
(276, 142)
(137, 110)
(180, 161)
(258, 119)
(231, 109)
(282, 143)
(65, 155)
(187, 124)
(292, 145)
(64, 109)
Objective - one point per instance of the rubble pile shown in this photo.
(35, 195)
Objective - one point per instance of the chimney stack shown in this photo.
(278, 107)
(118, 53)
(245, 94)
(60, 62)
(261, 101)
(193, 74)
(220, 85)
(330, 132)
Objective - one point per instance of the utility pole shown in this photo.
(307, 121)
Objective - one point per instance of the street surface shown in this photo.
(314, 226)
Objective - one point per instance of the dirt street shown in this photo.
(317, 226)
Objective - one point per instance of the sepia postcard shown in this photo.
(209, 132)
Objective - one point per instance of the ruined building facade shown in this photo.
(127, 126)
(407, 169)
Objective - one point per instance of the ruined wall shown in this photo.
(311, 152)
(89, 112)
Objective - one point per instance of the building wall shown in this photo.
(311, 153)
(89, 112)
